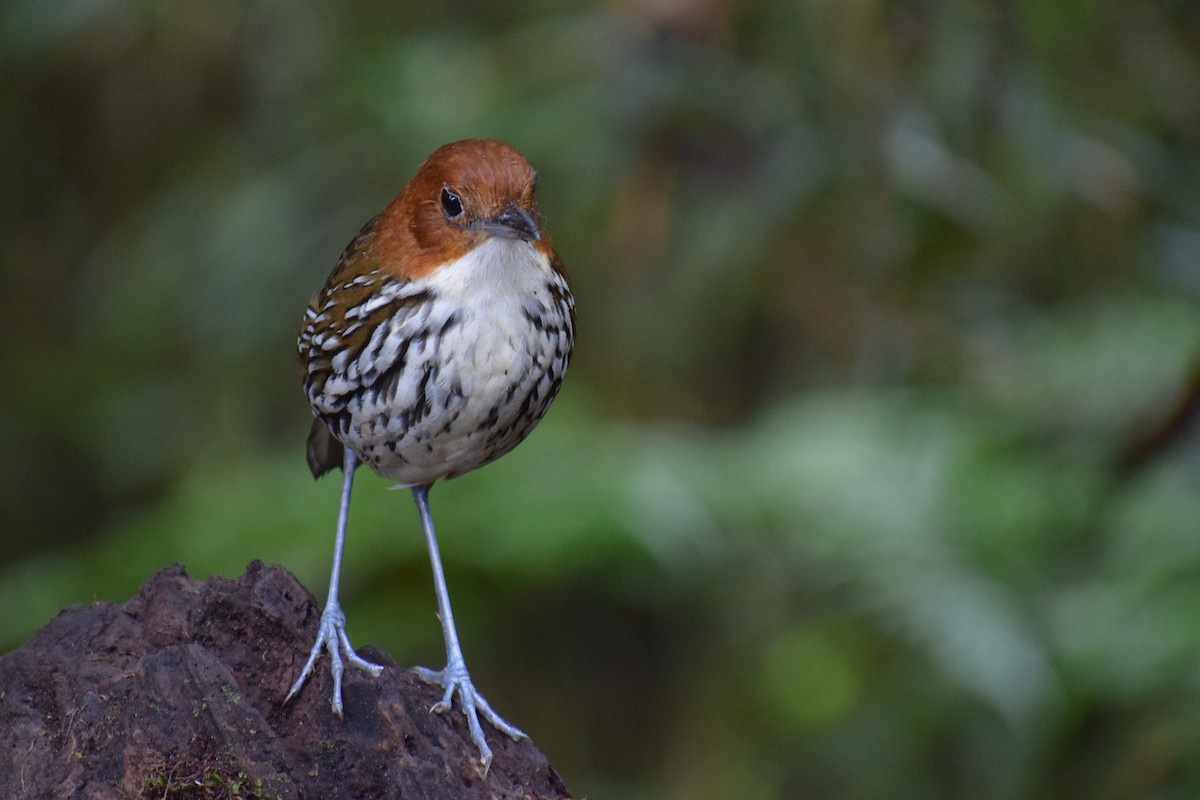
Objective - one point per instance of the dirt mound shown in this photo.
(177, 693)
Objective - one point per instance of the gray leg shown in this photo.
(454, 677)
(332, 635)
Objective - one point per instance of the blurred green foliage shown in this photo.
(860, 485)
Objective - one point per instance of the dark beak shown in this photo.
(513, 222)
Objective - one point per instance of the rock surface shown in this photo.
(177, 693)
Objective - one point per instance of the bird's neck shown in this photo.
(495, 270)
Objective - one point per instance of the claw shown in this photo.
(332, 637)
(456, 680)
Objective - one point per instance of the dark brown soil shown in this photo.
(178, 693)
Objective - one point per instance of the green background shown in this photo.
(856, 486)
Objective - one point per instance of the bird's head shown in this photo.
(465, 193)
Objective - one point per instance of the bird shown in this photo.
(435, 346)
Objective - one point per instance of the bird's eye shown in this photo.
(451, 204)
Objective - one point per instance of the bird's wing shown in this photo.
(355, 335)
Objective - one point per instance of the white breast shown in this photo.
(478, 373)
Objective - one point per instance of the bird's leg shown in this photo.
(454, 678)
(332, 635)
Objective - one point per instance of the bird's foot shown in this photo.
(332, 637)
(455, 679)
